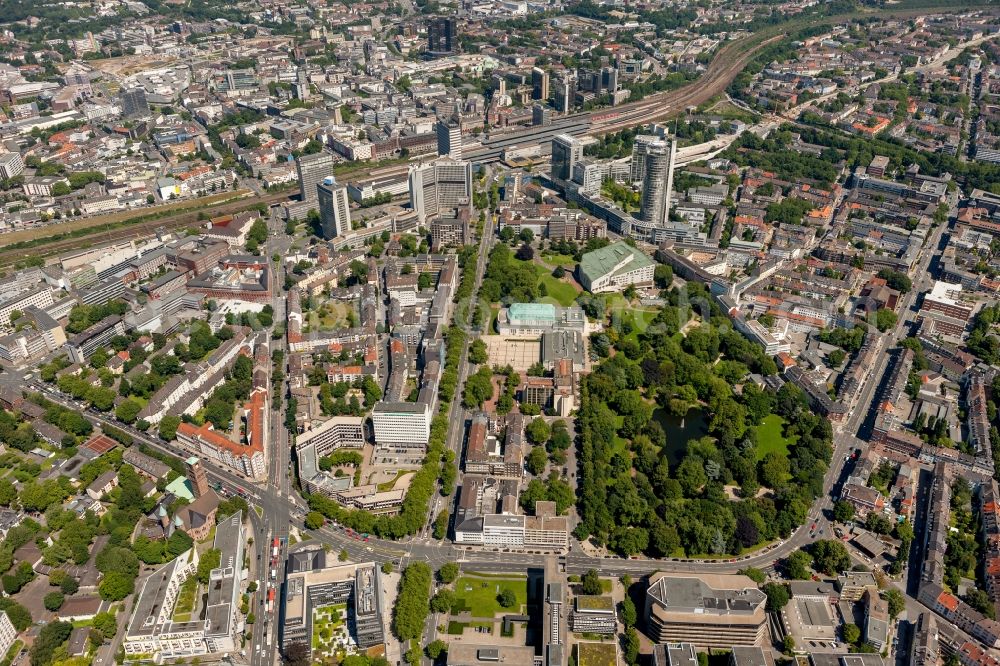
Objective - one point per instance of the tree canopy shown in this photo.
(637, 496)
(412, 602)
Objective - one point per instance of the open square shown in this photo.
(518, 353)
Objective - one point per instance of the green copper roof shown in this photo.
(531, 311)
(602, 262)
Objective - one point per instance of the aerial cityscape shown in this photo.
(500, 332)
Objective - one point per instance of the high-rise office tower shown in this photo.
(301, 85)
(609, 79)
(449, 139)
(658, 182)
(134, 104)
(565, 94)
(439, 186)
(539, 84)
(334, 208)
(423, 195)
(566, 152)
(638, 165)
(313, 169)
(499, 84)
(442, 35)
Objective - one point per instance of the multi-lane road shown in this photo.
(275, 500)
(457, 414)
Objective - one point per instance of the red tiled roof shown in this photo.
(949, 601)
(211, 437)
(255, 421)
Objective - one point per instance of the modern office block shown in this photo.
(706, 610)
(401, 424)
(449, 139)
(440, 186)
(539, 84)
(442, 35)
(315, 581)
(640, 145)
(566, 152)
(658, 182)
(334, 208)
(565, 94)
(313, 170)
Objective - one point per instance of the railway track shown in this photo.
(112, 233)
(726, 65)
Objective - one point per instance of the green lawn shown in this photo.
(564, 260)
(769, 437)
(636, 320)
(332, 316)
(479, 595)
(561, 291)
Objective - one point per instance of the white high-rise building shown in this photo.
(439, 186)
(539, 84)
(405, 425)
(565, 94)
(334, 208)
(11, 165)
(449, 139)
(658, 182)
(638, 164)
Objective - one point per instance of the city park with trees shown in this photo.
(728, 489)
